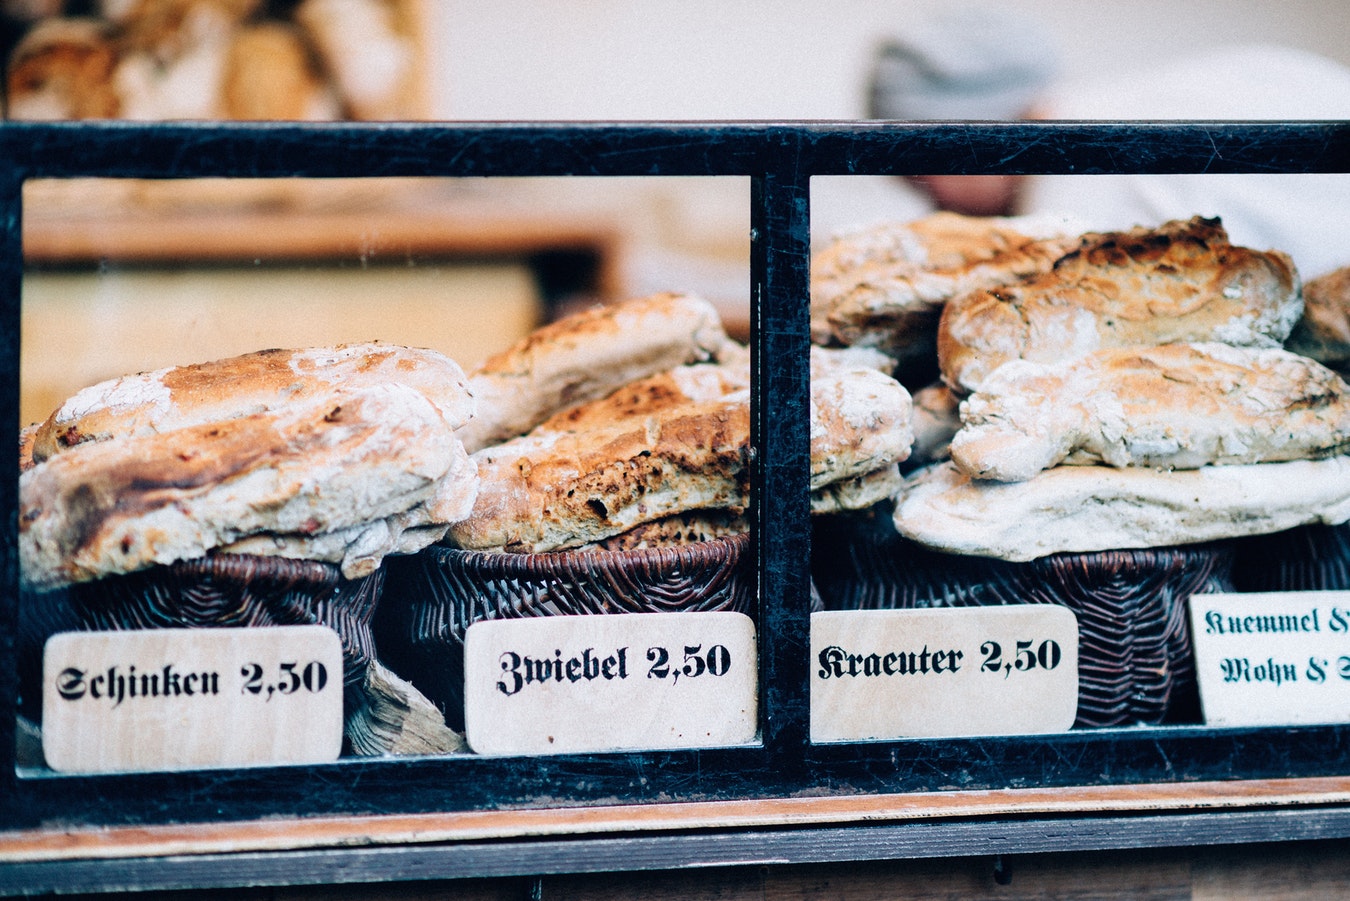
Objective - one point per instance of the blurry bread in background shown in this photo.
(368, 49)
(270, 74)
(63, 69)
(221, 59)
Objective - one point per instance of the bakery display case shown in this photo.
(1118, 774)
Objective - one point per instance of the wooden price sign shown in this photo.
(174, 699)
(642, 681)
(887, 674)
(1272, 659)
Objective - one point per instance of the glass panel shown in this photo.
(1080, 381)
(515, 300)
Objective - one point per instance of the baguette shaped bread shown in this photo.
(563, 488)
(1082, 509)
(180, 396)
(356, 458)
(1324, 331)
(586, 356)
(1180, 282)
(1177, 406)
(885, 287)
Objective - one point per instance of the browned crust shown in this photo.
(886, 288)
(550, 490)
(1183, 281)
(586, 356)
(203, 393)
(121, 505)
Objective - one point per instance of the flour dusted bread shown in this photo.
(379, 454)
(1177, 406)
(1180, 282)
(586, 356)
(860, 423)
(1082, 509)
(177, 397)
(1324, 331)
(885, 287)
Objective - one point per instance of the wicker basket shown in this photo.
(433, 598)
(1309, 558)
(1135, 664)
(225, 590)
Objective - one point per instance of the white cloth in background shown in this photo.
(1307, 216)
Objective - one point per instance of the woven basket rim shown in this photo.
(713, 552)
(258, 566)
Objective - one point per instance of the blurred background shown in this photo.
(124, 276)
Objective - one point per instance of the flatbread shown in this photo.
(1081, 509)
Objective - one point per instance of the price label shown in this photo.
(886, 674)
(1272, 659)
(173, 699)
(644, 681)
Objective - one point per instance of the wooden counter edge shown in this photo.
(353, 831)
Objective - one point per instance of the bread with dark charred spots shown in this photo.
(1181, 282)
(345, 478)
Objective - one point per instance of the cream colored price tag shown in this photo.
(1272, 659)
(885, 674)
(174, 699)
(643, 681)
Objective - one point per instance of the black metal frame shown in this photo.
(780, 159)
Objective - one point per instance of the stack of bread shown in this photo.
(1123, 414)
(614, 458)
(265, 489)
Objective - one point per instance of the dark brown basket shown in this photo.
(433, 597)
(225, 590)
(1308, 558)
(1135, 664)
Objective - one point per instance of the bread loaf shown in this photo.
(1324, 331)
(586, 356)
(181, 396)
(1177, 406)
(860, 422)
(350, 473)
(1181, 282)
(556, 488)
(885, 287)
